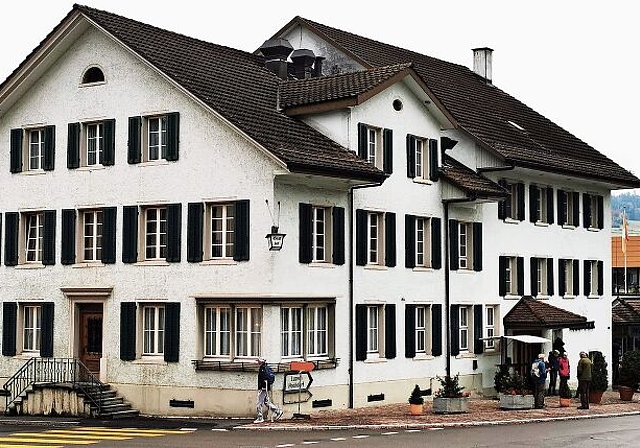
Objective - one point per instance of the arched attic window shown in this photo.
(92, 75)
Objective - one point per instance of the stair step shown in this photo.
(121, 414)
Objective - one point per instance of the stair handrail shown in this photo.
(39, 370)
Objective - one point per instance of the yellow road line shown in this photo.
(48, 435)
(146, 431)
(103, 433)
(32, 446)
(46, 441)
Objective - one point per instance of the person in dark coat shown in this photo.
(262, 398)
(584, 379)
(539, 381)
(553, 371)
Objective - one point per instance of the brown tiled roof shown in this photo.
(237, 86)
(469, 181)
(626, 311)
(336, 87)
(532, 313)
(484, 110)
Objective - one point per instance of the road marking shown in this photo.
(435, 429)
(338, 439)
(284, 445)
(361, 436)
(310, 442)
(52, 440)
(90, 433)
(140, 430)
(390, 433)
(48, 435)
(412, 430)
(189, 429)
(27, 446)
(219, 429)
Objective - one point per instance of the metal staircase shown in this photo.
(68, 373)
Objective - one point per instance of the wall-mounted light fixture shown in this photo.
(275, 239)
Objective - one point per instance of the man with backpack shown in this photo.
(266, 377)
(539, 379)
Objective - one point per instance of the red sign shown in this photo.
(302, 366)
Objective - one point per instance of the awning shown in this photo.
(526, 338)
(532, 313)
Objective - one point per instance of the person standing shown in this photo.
(564, 369)
(584, 379)
(262, 399)
(539, 378)
(553, 371)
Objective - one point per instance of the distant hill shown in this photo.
(630, 202)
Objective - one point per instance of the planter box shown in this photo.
(516, 401)
(450, 405)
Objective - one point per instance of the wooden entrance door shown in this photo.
(90, 337)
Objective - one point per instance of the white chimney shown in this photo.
(482, 62)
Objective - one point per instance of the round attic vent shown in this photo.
(397, 105)
(93, 74)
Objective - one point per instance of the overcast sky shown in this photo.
(575, 62)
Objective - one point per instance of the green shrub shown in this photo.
(450, 387)
(416, 396)
(599, 375)
(629, 374)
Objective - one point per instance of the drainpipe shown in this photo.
(351, 299)
(447, 293)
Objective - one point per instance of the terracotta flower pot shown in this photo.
(595, 396)
(626, 393)
(416, 409)
(565, 402)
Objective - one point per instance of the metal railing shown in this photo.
(51, 371)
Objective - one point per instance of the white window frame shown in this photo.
(221, 230)
(33, 233)
(217, 331)
(321, 232)
(423, 242)
(465, 245)
(93, 148)
(594, 224)
(490, 326)
(155, 138)
(375, 238)
(34, 154)
(541, 269)
(421, 163)
(153, 330)
(422, 324)
(291, 331)
(594, 279)
(464, 328)
(31, 331)
(374, 320)
(569, 209)
(91, 225)
(157, 248)
(317, 330)
(374, 146)
(248, 331)
(568, 278)
(541, 201)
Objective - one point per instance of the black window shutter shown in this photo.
(562, 277)
(411, 156)
(409, 241)
(387, 148)
(550, 209)
(503, 264)
(128, 331)
(173, 136)
(534, 211)
(49, 238)
(305, 249)
(600, 277)
(195, 232)
(361, 237)
(390, 349)
(390, 239)
(68, 255)
(109, 216)
(361, 332)
(436, 240)
(174, 232)
(562, 207)
(478, 343)
(436, 329)
(587, 278)
(16, 150)
(533, 270)
(600, 201)
(11, 228)
(520, 190)
(504, 203)
(550, 286)
(362, 140)
(338, 235)
(46, 330)
(576, 277)
(134, 146)
(241, 245)
(130, 234)
(586, 210)
(49, 148)
(576, 209)
(520, 279)
(73, 145)
(433, 160)
(477, 246)
(109, 151)
(409, 331)
(172, 332)
(453, 244)
(9, 328)
(455, 327)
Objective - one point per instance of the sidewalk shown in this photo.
(482, 411)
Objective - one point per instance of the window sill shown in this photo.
(375, 360)
(152, 263)
(25, 356)
(422, 269)
(153, 163)
(320, 264)
(88, 264)
(568, 226)
(491, 351)
(150, 359)
(420, 180)
(376, 267)
(30, 266)
(463, 271)
(90, 168)
(568, 296)
(593, 229)
(593, 297)
(220, 262)
(512, 297)
(423, 357)
(542, 297)
(465, 355)
(541, 224)
(33, 172)
(511, 221)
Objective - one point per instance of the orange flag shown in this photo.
(625, 233)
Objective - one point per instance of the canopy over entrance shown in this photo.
(532, 313)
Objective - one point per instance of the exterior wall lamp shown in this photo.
(275, 239)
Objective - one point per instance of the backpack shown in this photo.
(271, 377)
(535, 369)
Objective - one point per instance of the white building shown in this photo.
(144, 168)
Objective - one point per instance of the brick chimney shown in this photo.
(482, 61)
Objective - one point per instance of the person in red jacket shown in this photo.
(564, 368)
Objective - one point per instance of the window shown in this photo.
(319, 240)
(91, 144)
(217, 331)
(421, 158)
(156, 236)
(92, 235)
(153, 330)
(512, 208)
(423, 243)
(318, 331)
(373, 145)
(36, 149)
(593, 278)
(155, 233)
(490, 327)
(291, 331)
(421, 319)
(593, 211)
(463, 329)
(248, 330)
(466, 329)
(568, 277)
(222, 230)
(511, 276)
(95, 143)
(322, 234)
(541, 204)
(568, 208)
(304, 331)
(375, 332)
(154, 138)
(32, 149)
(34, 237)
(423, 330)
(92, 75)
(541, 276)
(374, 238)
(31, 328)
(465, 245)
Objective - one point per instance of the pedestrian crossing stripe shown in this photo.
(52, 440)
(127, 434)
(128, 430)
(66, 435)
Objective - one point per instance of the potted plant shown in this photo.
(629, 375)
(416, 401)
(513, 390)
(565, 394)
(599, 377)
(451, 398)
